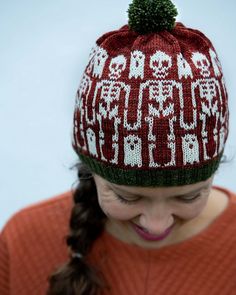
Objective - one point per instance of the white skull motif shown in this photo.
(160, 63)
(117, 66)
(202, 63)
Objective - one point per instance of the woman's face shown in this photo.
(152, 216)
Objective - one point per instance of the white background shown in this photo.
(44, 48)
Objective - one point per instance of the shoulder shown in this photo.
(43, 217)
(32, 244)
(233, 197)
(227, 192)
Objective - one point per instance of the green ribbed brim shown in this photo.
(153, 177)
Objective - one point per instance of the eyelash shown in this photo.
(189, 200)
(181, 199)
(122, 200)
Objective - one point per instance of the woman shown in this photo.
(150, 126)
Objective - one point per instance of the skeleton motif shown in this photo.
(97, 61)
(109, 93)
(160, 63)
(223, 115)
(81, 99)
(91, 138)
(137, 63)
(161, 106)
(190, 149)
(75, 132)
(117, 66)
(209, 90)
(184, 70)
(222, 138)
(133, 151)
(135, 125)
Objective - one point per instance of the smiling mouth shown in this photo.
(144, 234)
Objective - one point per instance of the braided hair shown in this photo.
(87, 220)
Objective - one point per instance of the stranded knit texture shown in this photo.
(152, 110)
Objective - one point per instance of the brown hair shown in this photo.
(87, 220)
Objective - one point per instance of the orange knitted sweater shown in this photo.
(32, 245)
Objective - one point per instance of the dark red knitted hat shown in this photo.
(151, 109)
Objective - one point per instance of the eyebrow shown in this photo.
(128, 194)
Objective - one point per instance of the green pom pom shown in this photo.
(146, 16)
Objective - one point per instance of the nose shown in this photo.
(156, 219)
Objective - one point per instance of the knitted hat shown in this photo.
(151, 108)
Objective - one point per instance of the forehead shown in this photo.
(151, 191)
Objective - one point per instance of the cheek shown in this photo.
(116, 210)
(192, 210)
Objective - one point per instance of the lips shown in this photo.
(144, 234)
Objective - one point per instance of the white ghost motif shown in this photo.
(190, 148)
(184, 69)
(99, 61)
(133, 151)
(137, 63)
(91, 138)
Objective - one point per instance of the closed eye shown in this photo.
(188, 199)
(126, 201)
(184, 199)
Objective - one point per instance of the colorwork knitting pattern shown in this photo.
(132, 106)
